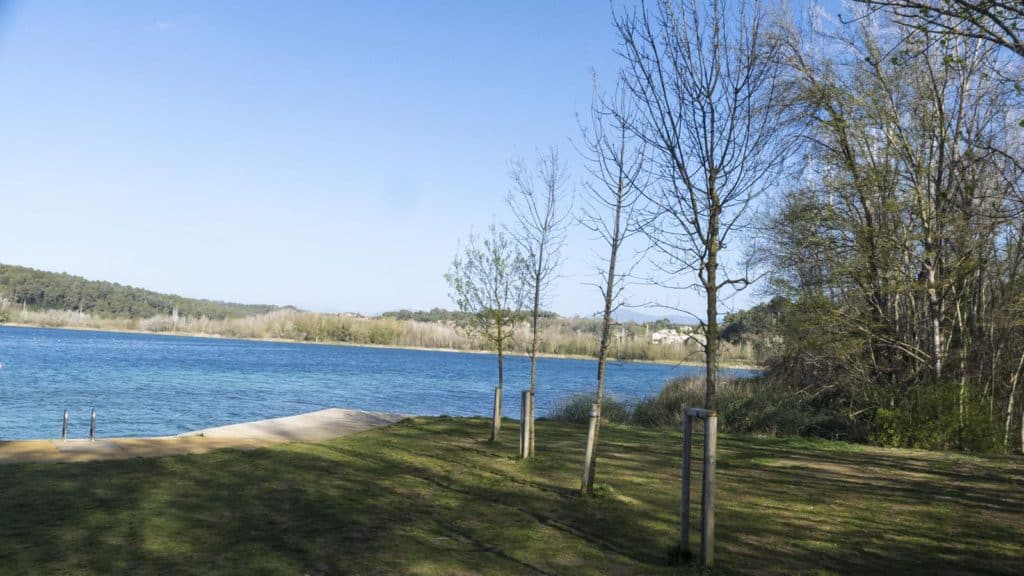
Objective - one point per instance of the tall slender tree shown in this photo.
(610, 210)
(540, 201)
(705, 76)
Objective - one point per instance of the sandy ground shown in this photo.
(310, 427)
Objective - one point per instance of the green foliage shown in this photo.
(744, 405)
(888, 427)
(488, 284)
(433, 315)
(661, 324)
(576, 409)
(930, 419)
(40, 290)
(760, 327)
(762, 320)
(446, 316)
(900, 270)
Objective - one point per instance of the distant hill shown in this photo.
(652, 315)
(40, 290)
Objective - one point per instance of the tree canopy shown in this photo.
(40, 290)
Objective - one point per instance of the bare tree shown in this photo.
(487, 282)
(616, 166)
(1000, 22)
(538, 201)
(706, 79)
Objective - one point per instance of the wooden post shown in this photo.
(589, 455)
(707, 540)
(496, 426)
(527, 445)
(530, 431)
(684, 513)
(64, 427)
(707, 505)
(524, 424)
(533, 426)
(92, 425)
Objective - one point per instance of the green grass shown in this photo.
(431, 496)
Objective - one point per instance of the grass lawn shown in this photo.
(431, 496)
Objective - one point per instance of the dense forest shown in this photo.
(901, 244)
(37, 290)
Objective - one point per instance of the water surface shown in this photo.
(150, 385)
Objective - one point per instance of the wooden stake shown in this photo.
(707, 541)
(684, 513)
(64, 428)
(533, 425)
(527, 448)
(92, 425)
(524, 424)
(496, 427)
(533, 432)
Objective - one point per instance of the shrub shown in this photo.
(666, 409)
(930, 420)
(744, 405)
(576, 409)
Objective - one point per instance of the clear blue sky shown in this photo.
(328, 155)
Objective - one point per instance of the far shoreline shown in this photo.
(693, 364)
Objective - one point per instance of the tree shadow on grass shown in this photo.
(867, 511)
(414, 502)
(75, 518)
(430, 496)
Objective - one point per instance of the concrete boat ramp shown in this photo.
(310, 427)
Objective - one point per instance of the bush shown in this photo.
(576, 409)
(930, 420)
(666, 409)
(773, 407)
(744, 406)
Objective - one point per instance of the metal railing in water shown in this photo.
(64, 426)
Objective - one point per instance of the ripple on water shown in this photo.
(151, 385)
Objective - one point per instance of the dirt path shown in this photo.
(311, 427)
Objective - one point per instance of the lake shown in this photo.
(152, 385)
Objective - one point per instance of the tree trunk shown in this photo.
(936, 337)
(1014, 381)
(962, 390)
(533, 356)
(602, 361)
(711, 287)
(496, 427)
(711, 353)
(606, 326)
(932, 297)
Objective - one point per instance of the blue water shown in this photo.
(149, 385)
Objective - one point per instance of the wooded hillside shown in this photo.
(40, 290)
